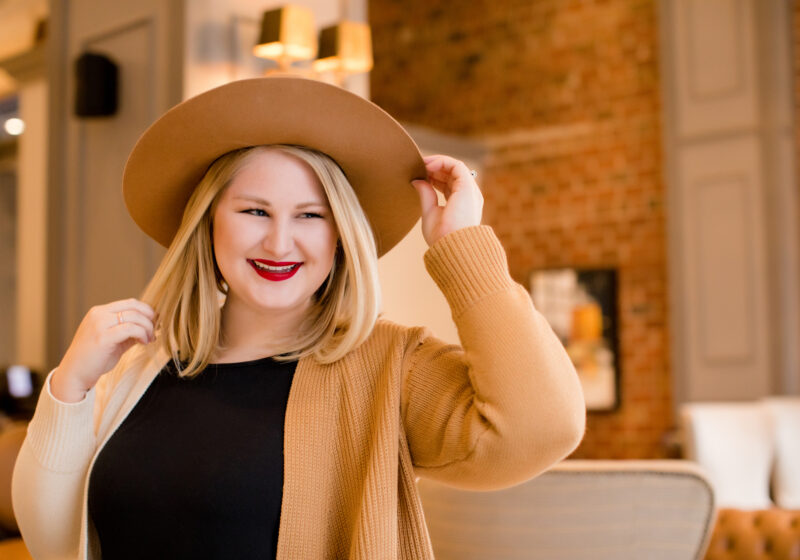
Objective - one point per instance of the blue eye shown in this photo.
(255, 212)
(310, 215)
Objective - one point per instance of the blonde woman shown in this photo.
(252, 404)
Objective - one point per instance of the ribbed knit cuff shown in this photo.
(61, 435)
(467, 265)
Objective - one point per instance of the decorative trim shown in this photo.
(736, 181)
(738, 83)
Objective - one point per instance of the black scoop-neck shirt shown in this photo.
(196, 469)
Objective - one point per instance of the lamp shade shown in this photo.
(345, 47)
(287, 33)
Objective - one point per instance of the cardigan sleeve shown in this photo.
(50, 473)
(507, 403)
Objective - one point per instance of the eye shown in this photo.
(310, 215)
(255, 212)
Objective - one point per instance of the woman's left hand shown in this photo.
(463, 199)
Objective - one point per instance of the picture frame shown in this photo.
(581, 307)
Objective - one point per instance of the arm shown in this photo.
(506, 406)
(50, 472)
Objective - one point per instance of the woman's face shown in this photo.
(274, 234)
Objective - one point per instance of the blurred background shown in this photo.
(638, 160)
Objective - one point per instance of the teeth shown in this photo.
(276, 269)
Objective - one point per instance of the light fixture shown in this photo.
(14, 126)
(288, 36)
(345, 47)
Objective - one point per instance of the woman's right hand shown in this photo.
(105, 333)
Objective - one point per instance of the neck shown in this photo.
(249, 333)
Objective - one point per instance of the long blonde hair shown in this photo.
(187, 288)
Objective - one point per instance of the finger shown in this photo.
(131, 303)
(457, 173)
(441, 185)
(439, 168)
(125, 331)
(427, 196)
(441, 164)
(440, 159)
(135, 318)
(127, 316)
(452, 184)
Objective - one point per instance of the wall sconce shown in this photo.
(288, 36)
(345, 47)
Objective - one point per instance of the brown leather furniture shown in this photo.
(11, 436)
(755, 535)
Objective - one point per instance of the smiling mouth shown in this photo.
(275, 271)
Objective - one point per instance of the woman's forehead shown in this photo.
(275, 176)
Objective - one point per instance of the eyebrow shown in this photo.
(267, 203)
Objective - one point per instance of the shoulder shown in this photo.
(397, 334)
(389, 340)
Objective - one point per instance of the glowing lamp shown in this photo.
(346, 48)
(287, 34)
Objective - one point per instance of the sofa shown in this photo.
(766, 534)
(11, 545)
(751, 453)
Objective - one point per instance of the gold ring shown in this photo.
(119, 317)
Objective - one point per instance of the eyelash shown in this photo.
(259, 212)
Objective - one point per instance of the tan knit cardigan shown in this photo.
(489, 415)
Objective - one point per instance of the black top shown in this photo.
(196, 469)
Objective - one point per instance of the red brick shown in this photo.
(587, 191)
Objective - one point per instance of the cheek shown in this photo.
(224, 243)
(233, 236)
(328, 244)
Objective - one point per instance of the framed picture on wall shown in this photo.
(581, 307)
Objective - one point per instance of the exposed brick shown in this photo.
(565, 93)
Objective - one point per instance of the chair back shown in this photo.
(579, 510)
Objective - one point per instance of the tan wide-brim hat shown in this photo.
(376, 154)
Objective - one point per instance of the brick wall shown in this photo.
(565, 94)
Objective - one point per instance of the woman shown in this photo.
(261, 408)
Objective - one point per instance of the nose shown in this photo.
(278, 238)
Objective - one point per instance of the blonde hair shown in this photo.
(185, 290)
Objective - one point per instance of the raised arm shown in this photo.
(506, 404)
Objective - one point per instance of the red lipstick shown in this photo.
(273, 275)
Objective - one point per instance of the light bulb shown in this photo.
(14, 126)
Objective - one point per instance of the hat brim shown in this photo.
(376, 154)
